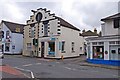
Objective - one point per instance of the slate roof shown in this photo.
(89, 33)
(12, 26)
(112, 17)
(66, 24)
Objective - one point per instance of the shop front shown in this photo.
(48, 47)
(98, 52)
(104, 52)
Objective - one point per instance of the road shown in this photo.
(49, 68)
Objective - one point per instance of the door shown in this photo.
(2, 48)
(42, 49)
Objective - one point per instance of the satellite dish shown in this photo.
(38, 16)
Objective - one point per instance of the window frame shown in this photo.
(116, 23)
(73, 47)
(63, 46)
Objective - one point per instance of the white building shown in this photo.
(106, 49)
(11, 37)
(49, 36)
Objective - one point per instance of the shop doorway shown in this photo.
(42, 49)
(98, 52)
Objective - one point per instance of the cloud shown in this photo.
(84, 14)
(10, 11)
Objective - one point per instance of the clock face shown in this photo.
(38, 17)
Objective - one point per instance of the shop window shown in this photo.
(73, 45)
(29, 46)
(63, 47)
(98, 52)
(51, 48)
(7, 46)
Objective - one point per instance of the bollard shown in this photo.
(62, 57)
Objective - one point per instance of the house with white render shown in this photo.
(106, 49)
(49, 36)
(11, 37)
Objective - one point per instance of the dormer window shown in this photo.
(17, 30)
(116, 23)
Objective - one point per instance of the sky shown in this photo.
(83, 14)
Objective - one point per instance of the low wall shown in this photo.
(106, 62)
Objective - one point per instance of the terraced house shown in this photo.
(49, 36)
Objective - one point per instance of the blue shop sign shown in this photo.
(52, 39)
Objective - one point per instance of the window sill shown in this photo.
(63, 51)
(73, 51)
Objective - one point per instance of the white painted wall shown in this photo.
(17, 40)
(108, 28)
(69, 35)
(5, 28)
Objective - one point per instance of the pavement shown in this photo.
(8, 71)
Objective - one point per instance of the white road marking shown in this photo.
(32, 75)
(27, 64)
(38, 63)
(73, 69)
(57, 62)
(68, 68)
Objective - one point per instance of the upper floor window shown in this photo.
(1, 35)
(32, 32)
(29, 46)
(17, 29)
(45, 28)
(73, 45)
(7, 34)
(63, 47)
(116, 23)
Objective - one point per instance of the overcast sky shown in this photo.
(84, 14)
